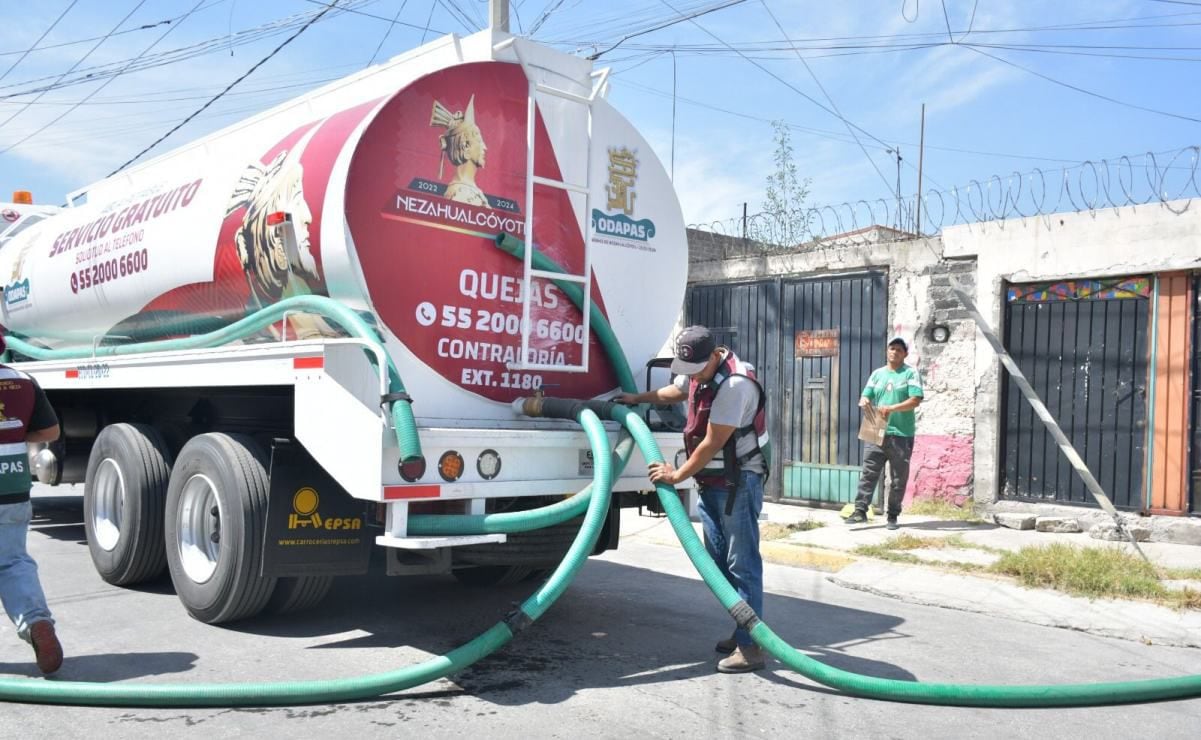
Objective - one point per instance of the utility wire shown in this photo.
(833, 105)
(1081, 89)
(783, 81)
(543, 16)
(104, 84)
(77, 63)
(671, 22)
(217, 97)
(35, 43)
(388, 32)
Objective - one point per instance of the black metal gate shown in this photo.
(1083, 347)
(813, 342)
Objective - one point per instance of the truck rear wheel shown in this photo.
(297, 594)
(123, 498)
(215, 524)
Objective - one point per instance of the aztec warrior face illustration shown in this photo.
(463, 144)
(270, 262)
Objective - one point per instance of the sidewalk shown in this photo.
(831, 548)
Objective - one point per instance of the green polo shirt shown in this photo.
(888, 387)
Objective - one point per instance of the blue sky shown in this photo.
(874, 61)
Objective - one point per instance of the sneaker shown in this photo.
(858, 517)
(892, 523)
(726, 646)
(46, 647)
(744, 659)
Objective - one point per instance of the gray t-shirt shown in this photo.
(736, 404)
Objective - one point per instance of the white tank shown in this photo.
(396, 181)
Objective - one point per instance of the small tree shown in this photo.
(784, 200)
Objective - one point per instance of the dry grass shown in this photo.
(943, 509)
(1095, 572)
(778, 531)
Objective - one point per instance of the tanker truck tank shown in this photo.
(384, 191)
(256, 342)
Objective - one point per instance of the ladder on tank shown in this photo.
(598, 81)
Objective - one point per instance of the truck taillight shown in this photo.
(412, 469)
(277, 218)
(450, 466)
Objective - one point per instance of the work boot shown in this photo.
(46, 647)
(858, 517)
(744, 659)
(892, 523)
(726, 646)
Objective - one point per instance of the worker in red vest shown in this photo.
(25, 416)
(726, 441)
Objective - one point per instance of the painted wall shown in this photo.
(1114, 242)
(920, 294)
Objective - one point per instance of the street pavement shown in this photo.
(831, 548)
(626, 652)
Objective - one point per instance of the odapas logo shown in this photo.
(623, 177)
(305, 503)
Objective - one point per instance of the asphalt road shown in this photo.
(627, 652)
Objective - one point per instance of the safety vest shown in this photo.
(16, 409)
(724, 468)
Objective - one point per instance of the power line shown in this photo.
(35, 43)
(1081, 89)
(781, 80)
(670, 22)
(833, 105)
(77, 63)
(543, 16)
(218, 43)
(216, 97)
(76, 42)
(104, 84)
(387, 32)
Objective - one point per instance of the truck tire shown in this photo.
(297, 594)
(492, 575)
(215, 524)
(124, 493)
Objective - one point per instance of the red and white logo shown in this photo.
(9, 215)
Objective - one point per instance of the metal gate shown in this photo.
(1083, 347)
(813, 342)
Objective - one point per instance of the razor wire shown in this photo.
(1169, 179)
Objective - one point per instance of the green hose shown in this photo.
(596, 318)
(360, 687)
(402, 410)
(1068, 695)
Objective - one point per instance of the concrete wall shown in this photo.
(919, 294)
(1110, 243)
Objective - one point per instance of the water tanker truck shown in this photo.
(284, 344)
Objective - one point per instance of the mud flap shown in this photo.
(314, 527)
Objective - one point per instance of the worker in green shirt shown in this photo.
(895, 390)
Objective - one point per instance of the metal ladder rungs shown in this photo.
(585, 99)
(559, 276)
(538, 180)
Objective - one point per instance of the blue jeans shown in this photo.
(733, 541)
(19, 587)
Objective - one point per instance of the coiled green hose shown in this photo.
(402, 410)
(359, 687)
(971, 695)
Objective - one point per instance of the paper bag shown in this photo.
(871, 428)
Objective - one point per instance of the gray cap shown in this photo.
(694, 345)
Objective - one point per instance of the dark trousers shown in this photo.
(896, 451)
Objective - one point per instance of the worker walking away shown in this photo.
(25, 416)
(726, 440)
